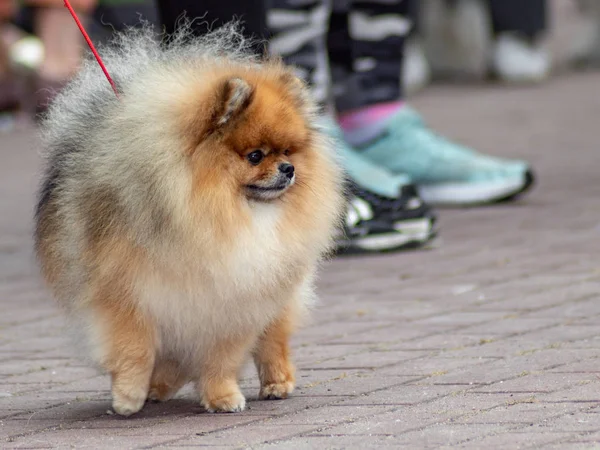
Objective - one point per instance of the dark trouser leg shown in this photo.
(366, 49)
(298, 30)
(526, 17)
(413, 12)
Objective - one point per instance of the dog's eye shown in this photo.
(286, 152)
(255, 157)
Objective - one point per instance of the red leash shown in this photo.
(91, 45)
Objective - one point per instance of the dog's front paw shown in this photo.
(276, 391)
(127, 405)
(233, 402)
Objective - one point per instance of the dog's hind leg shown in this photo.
(166, 380)
(129, 355)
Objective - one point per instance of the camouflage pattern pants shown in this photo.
(350, 51)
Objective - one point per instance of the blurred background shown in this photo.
(453, 40)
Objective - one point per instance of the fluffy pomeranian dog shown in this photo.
(181, 224)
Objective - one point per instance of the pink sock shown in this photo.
(365, 124)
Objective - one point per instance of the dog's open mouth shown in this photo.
(268, 192)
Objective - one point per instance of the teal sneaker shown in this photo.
(445, 173)
(384, 212)
(362, 171)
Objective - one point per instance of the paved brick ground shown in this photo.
(491, 340)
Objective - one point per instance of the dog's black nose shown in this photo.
(288, 169)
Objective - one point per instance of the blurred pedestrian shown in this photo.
(475, 38)
(586, 45)
(9, 100)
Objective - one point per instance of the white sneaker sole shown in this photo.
(515, 61)
(408, 233)
(464, 194)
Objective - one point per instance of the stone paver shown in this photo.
(489, 341)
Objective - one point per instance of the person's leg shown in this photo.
(404, 49)
(519, 29)
(366, 50)
(528, 18)
(585, 50)
(416, 69)
(63, 44)
(392, 135)
(384, 211)
(8, 101)
(298, 30)
(457, 38)
(366, 59)
(297, 34)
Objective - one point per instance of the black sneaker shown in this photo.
(380, 224)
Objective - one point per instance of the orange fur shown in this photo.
(272, 358)
(130, 353)
(158, 245)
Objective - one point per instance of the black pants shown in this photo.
(526, 17)
(351, 51)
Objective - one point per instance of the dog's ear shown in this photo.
(224, 103)
(234, 97)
